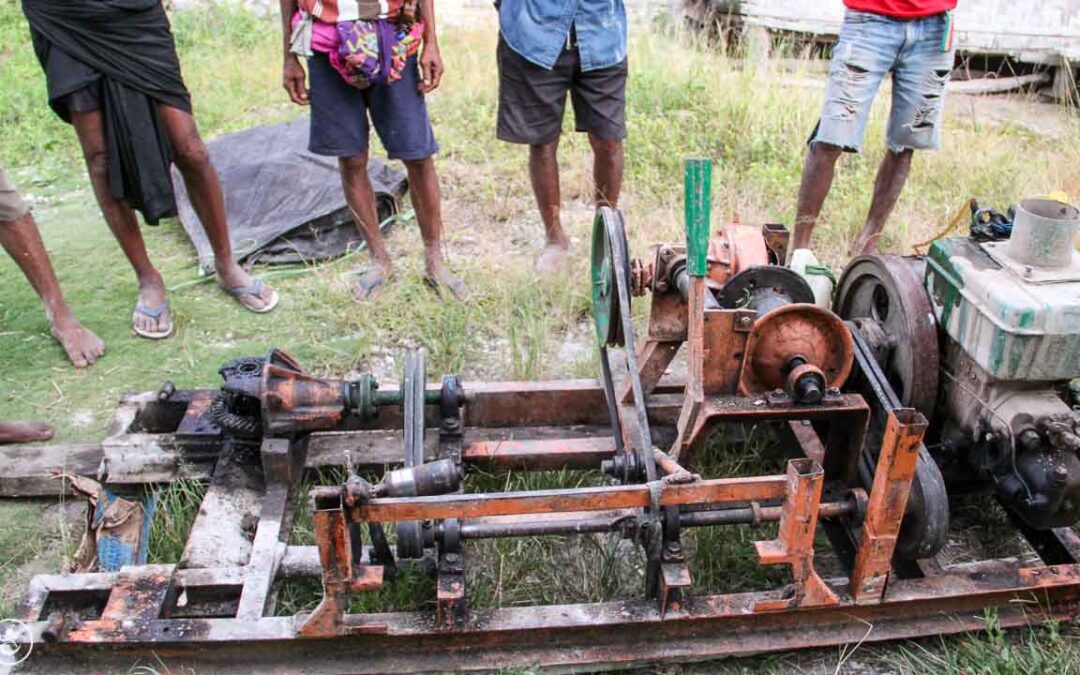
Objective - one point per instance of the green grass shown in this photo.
(683, 100)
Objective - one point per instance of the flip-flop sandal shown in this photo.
(254, 291)
(457, 288)
(370, 286)
(153, 313)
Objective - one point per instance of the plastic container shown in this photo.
(820, 277)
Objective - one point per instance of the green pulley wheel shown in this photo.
(608, 232)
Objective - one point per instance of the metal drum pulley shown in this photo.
(896, 345)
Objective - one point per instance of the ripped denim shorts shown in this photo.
(870, 46)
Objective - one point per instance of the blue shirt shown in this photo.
(538, 30)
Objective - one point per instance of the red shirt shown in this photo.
(902, 9)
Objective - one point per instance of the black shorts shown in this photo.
(532, 98)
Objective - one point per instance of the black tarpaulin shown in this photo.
(285, 204)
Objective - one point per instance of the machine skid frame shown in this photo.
(220, 616)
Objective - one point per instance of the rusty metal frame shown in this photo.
(221, 615)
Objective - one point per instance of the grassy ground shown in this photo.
(683, 101)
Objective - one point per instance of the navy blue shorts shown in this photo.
(339, 114)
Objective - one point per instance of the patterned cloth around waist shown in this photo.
(363, 52)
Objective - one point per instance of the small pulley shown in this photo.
(410, 534)
(608, 246)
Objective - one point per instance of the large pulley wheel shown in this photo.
(896, 345)
(608, 245)
(884, 297)
(611, 282)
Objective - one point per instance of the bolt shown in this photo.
(673, 547)
(451, 557)
(745, 321)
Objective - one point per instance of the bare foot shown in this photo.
(152, 318)
(553, 258)
(81, 345)
(260, 297)
(866, 244)
(438, 276)
(27, 431)
(370, 284)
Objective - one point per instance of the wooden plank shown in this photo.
(266, 554)
(222, 533)
(28, 470)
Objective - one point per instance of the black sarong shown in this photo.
(126, 49)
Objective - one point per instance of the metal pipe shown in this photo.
(736, 516)
(680, 279)
(764, 514)
(486, 530)
(396, 397)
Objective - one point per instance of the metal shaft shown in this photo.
(611, 523)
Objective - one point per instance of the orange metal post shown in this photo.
(794, 544)
(888, 499)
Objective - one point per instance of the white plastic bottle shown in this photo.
(820, 277)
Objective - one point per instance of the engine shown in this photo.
(986, 346)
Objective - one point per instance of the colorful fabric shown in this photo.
(364, 52)
(902, 9)
(374, 52)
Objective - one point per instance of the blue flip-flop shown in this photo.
(254, 290)
(368, 286)
(153, 313)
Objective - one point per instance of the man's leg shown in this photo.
(531, 104)
(204, 189)
(544, 174)
(865, 52)
(817, 178)
(28, 431)
(608, 161)
(21, 239)
(361, 200)
(424, 191)
(121, 220)
(919, 78)
(891, 176)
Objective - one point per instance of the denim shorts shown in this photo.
(870, 46)
(339, 114)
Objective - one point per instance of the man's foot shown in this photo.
(28, 431)
(553, 258)
(438, 277)
(151, 318)
(865, 245)
(250, 292)
(81, 345)
(369, 285)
